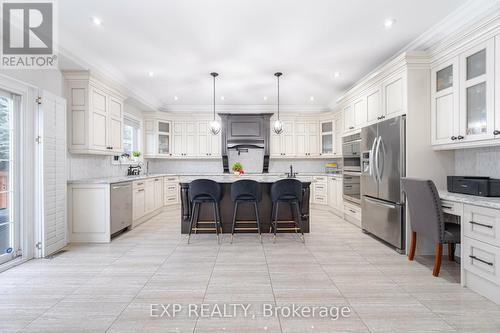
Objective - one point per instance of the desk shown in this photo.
(480, 241)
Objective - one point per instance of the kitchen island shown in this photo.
(245, 212)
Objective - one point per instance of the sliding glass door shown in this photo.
(9, 221)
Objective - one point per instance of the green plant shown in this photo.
(237, 166)
(136, 153)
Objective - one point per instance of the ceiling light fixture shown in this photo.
(388, 23)
(176, 98)
(214, 124)
(278, 124)
(336, 74)
(96, 20)
(222, 98)
(311, 98)
(151, 74)
(265, 98)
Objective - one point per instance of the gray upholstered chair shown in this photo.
(427, 220)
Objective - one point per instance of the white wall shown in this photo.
(478, 162)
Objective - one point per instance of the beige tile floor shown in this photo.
(110, 287)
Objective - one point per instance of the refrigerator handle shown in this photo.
(380, 203)
(377, 147)
(372, 152)
(381, 150)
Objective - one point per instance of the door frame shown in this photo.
(27, 174)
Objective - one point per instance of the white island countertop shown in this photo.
(187, 177)
(491, 202)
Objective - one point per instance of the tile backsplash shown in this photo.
(478, 162)
(93, 166)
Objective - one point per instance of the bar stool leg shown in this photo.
(219, 217)
(193, 212)
(275, 221)
(216, 222)
(234, 220)
(272, 218)
(299, 219)
(197, 219)
(257, 219)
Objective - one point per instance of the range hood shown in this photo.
(246, 134)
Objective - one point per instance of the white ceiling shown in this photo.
(246, 41)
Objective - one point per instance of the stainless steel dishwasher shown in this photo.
(121, 206)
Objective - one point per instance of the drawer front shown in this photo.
(319, 179)
(482, 223)
(352, 211)
(320, 189)
(481, 259)
(451, 207)
(138, 184)
(171, 189)
(170, 200)
(170, 179)
(320, 199)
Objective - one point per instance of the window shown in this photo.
(131, 132)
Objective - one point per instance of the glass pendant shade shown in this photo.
(278, 126)
(214, 127)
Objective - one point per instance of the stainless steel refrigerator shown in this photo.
(382, 166)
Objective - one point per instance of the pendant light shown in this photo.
(214, 124)
(278, 124)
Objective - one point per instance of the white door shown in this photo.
(139, 203)
(338, 135)
(190, 139)
(204, 142)
(177, 140)
(10, 223)
(373, 106)
(52, 113)
(149, 189)
(445, 112)
(348, 118)
(115, 122)
(158, 184)
(99, 120)
(395, 95)
(338, 196)
(360, 112)
(301, 138)
(477, 113)
(287, 138)
(313, 138)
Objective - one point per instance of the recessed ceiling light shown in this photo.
(311, 98)
(388, 23)
(151, 74)
(265, 98)
(222, 98)
(336, 74)
(96, 20)
(176, 98)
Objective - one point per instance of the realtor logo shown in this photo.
(28, 35)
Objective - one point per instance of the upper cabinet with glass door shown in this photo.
(477, 115)
(327, 137)
(164, 139)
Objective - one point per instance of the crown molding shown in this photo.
(240, 108)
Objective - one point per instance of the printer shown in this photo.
(480, 186)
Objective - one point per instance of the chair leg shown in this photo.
(451, 251)
(257, 219)
(219, 220)
(413, 245)
(299, 221)
(437, 259)
(272, 218)
(193, 212)
(234, 220)
(275, 227)
(216, 222)
(197, 218)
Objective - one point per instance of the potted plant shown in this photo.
(136, 154)
(238, 169)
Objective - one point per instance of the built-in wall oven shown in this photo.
(351, 157)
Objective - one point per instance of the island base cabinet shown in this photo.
(89, 213)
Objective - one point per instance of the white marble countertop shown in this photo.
(491, 202)
(224, 178)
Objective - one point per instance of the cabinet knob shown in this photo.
(460, 137)
(453, 138)
(496, 132)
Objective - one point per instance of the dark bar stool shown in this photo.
(246, 191)
(204, 191)
(287, 191)
(427, 219)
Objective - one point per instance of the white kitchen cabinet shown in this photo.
(360, 112)
(184, 139)
(138, 200)
(394, 92)
(320, 190)
(95, 116)
(477, 114)
(209, 145)
(171, 190)
(339, 129)
(348, 118)
(158, 192)
(335, 199)
(445, 113)
(282, 145)
(374, 111)
(149, 189)
(307, 138)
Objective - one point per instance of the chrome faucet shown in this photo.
(291, 174)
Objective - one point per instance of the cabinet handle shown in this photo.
(453, 138)
(352, 211)
(141, 190)
(481, 260)
(496, 132)
(481, 224)
(460, 137)
(447, 207)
